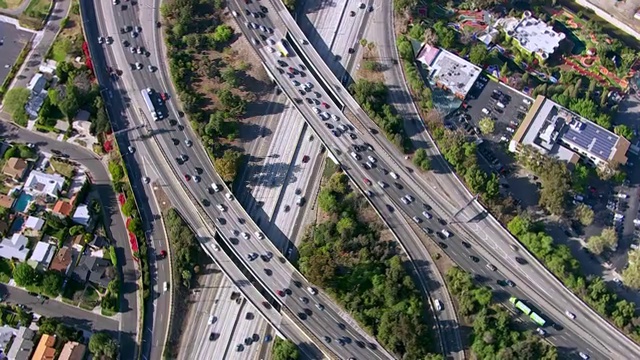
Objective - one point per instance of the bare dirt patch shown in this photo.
(370, 57)
(163, 200)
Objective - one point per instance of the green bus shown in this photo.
(527, 311)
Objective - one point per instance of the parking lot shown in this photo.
(12, 42)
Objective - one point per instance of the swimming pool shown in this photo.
(23, 201)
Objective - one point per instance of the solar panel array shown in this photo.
(595, 139)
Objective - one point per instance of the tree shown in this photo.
(405, 49)
(48, 325)
(421, 160)
(285, 350)
(328, 202)
(479, 54)
(25, 275)
(519, 225)
(487, 125)
(230, 76)
(607, 239)
(631, 274)
(580, 177)
(346, 227)
(227, 165)
(52, 283)
(101, 344)
(584, 214)
(71, 102)
(222, 34)
(15, 99)
(624, 131)
(63, 70)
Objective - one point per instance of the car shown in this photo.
(417, 219)
(280, 293)
(398, 186)
(353, 136)
(133, 50)
(303, 300)
(367, 181)
(221, 207)
(583, 355)
(510, 283)
(485, 111)
(369, 193)
(229, 196)
(188, 143)
(428, 230)
(382, 184)
(134, 34)
(212, 319)
(320, 307)
(341, 342)
(327, 339)
(305, 159)
(491, 267)
(213, 336)
(196, 178)
(245, 235)
(394, 175)
(146, 179)
(139, 66)
(326, 106)
(372, 159)
(541, 332)
(426, 215)
(162, 254)
(252, 256)
(100, 40)
(312, 291)
(234, 13)
(570, 315)
(466, 244)
(131, 149)
(474, 258)
(355, 155)
(352, 13)
(239, 347)
(259, 235)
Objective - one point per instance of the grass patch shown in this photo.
(107, 312)
(90, 299)
(330, 168)
(38, 9)
(9, 4)
(65, 169)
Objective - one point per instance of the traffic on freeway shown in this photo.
(190, 160)
(398, 182)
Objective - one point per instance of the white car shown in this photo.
(583, 355)
(215, 187)
(271, 50)
(196, 178)
(271, 42)
(229, 196)
(312, 291)
(151, 68)
(355, 156)
(234, 13)
(445, 233)
(211, 319)
(221, 207)
(437, 304)
(427, 215)
(383, 184)
(485, 111)
(263, 28)
(372, 159)
(133, 50)
(570, 315)
(165, 286)
(316, 110)
(146, 179)
(394, 175)
(100, 40)
(409, 197)
(526, 101)
(335, 117)
(417, 219)
(216, 247)
(131, 149)
(188, 143)
(259, 235)
(139, 66)
(295, 82)
(404, 200)
(245, 236)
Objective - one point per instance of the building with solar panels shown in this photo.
(556, 131)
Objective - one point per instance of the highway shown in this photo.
(491, 241)
(158, 314)
(235, 217)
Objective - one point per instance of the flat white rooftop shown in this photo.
(453, 72)
(534, 35)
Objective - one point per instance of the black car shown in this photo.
(264, 9)
(282, 63)
(341, 326)
(368, 146)
(426, 206)
(428, 230)
(213, 336)
(302, 315)
(398, 186)
(442, 245)
(328, 125)
(466, 244)
(327, 339)
(302, 92)
(442, 221)
(390, 208)
(474, 258)
(352, 136)
(356, 148)
(310, 101)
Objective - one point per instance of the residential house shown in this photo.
(6, 201)
(77, 183)
(15, 168)
(81, 215)
(73, 350)
(98, 243)
(46, 349)
(6, 334)
(96, 270)
(77, 242)
(15, 247)
(33, 223)
(62, 260)
(22, 344)
(37, 83)
(41, 256)
(63, 208)
(39, 183)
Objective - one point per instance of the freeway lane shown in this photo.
(583, 324)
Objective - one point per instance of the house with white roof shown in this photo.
(34, 223)
(39, 183)
(81, 215)
(14, 248)
(42, 255)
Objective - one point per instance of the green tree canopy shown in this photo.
(101, 344)
(25, 275)
(285, 350)
(227, 165)
(487, 125)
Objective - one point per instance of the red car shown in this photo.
(326, 106)
(164, 96)
(367, 181)
(163, 254)
(305, 159)
(187, 177)
(280, 293)
(266, 304)
(292, 70)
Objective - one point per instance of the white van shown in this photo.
(165, 286)
(500, 105)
